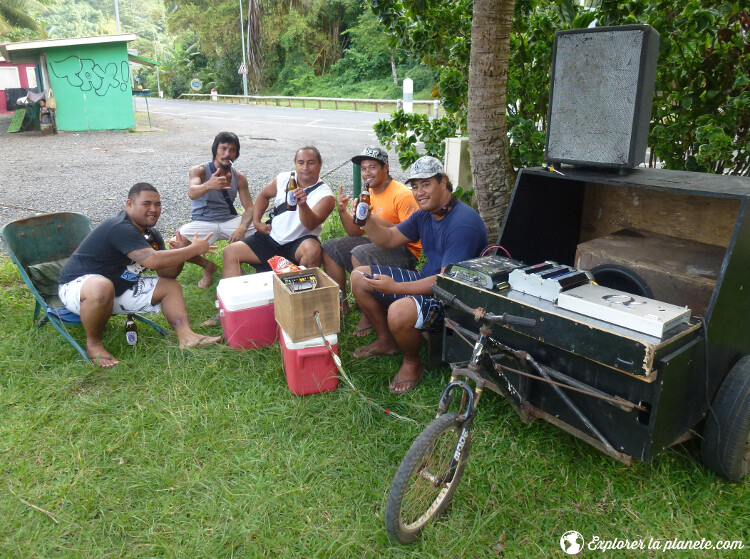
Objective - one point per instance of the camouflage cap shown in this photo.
(425, 167)
(372, 152)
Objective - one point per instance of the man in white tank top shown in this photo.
(293, 234)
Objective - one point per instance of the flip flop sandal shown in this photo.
(394, 385)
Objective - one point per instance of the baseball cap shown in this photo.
(425, 167)
(372, 152)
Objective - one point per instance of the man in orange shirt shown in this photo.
(391, 202)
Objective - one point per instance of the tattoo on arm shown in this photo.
(140, 254)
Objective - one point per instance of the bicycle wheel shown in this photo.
(417, 496)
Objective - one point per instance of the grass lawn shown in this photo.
(206, 453)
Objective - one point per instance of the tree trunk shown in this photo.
(254, 46)
(493, 173)
(393, 70)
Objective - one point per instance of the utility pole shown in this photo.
(156, 59)
(244, 63)
(117, 16)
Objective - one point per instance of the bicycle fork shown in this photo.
(469, 401)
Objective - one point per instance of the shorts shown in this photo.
(429, 309)
(136, 299)
(266, 248)
(221, 230)
(368, 253)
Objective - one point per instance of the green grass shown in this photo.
(205, 453)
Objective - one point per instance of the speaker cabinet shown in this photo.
(601, 91)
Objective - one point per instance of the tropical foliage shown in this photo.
(701, 106)
(299, 47)
(341, 48)
(701, 114)
(17, 20)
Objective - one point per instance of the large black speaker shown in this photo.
(601, 92)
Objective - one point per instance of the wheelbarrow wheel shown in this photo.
(418, 493)
(726, 435)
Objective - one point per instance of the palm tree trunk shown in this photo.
(493, 173)
(254, 45)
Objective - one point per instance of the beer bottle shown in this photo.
(362, 212)
(291, 201)
(131, 330)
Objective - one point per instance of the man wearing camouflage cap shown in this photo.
(398, 302)
(391, 203)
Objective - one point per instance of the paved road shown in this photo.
(300, 123)
(90, 172)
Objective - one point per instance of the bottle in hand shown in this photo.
(291, 201)
(362, 212)
(131, 330)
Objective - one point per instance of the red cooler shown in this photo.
(308, 365)
(245, 306)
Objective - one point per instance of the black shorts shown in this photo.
(266, 248)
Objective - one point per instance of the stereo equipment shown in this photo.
(623, 309)
(601, 91)
(547, 280)
(487, 272)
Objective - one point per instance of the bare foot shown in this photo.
(363, 327)
(208, 275)
(100, 357)
(196, 340)
(375, 348)
(407, 379)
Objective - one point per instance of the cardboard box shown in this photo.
(295, 311)
(308, 365)
(245, 306)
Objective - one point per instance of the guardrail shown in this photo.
(319, 100)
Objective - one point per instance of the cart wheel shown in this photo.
(417, 496)
(726, 436)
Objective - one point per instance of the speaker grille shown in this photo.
(600, 104)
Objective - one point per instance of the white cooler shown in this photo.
(245, 306)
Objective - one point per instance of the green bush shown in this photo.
(701, 110)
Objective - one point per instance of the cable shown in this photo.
(335, 168)
(339, 366)
(496, 247)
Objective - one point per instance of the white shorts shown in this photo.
(137, 299)
(221, 230)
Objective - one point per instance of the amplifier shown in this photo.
(486, 272)
(547, 280)
(623, 309)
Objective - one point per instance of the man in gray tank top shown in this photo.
(212, 189)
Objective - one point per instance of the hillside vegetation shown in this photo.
(325, 48)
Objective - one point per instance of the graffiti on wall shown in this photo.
(86, 75)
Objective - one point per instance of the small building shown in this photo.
(89, 77)
(15, 81)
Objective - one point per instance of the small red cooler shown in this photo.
(245, 306)
(308, 364)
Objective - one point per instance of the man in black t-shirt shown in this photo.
(103, 276)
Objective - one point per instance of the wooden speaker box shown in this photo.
(678, 271)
